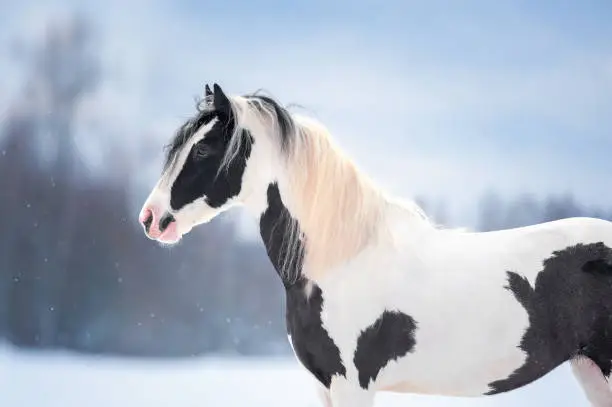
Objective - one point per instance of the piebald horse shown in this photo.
(378, 298)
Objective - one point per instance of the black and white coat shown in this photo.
(378, 299)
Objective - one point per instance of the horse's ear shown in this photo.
(208, 98)
(222, 103)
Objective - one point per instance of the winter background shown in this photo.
(490, 114)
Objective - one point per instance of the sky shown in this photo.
(442, 99)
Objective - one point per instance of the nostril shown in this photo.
(148, 220)
(165, 221)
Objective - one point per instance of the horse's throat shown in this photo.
(282, 237)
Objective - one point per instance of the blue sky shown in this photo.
(444, 99)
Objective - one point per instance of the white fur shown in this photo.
(369, 252)
(452, 284)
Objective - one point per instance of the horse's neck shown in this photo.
(310, 228)
(281, 236)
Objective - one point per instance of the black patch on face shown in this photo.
(311, 342)
(200, 175)
(387, 339)
(185, 132)
(570, 313)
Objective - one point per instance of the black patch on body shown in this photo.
(275, 225)
(311, 342)
(570, 313)
(387, 339)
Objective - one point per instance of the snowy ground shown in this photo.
(63, 380)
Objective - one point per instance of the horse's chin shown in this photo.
(172, 235)
(202, 221)
(176, 234)
(169, 241)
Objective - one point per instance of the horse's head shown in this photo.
(209, 168)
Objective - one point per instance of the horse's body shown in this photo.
(378, 299)
(470, 300)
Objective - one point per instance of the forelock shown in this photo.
(264, 106)
(205, 113)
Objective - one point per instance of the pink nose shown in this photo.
(146, 218)
(155, 221)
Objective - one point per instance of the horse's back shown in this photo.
(572, 229)
(585, 228)
(525, 249)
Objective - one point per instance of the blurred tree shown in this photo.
(14, 184)
(560, 207)
(522, 211)
(490, 212)
(61, 69)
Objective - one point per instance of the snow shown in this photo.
(67, 380)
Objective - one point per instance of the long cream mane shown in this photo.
(338, 209)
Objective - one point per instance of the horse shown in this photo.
(378, 297)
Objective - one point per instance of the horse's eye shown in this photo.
(201, 151)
